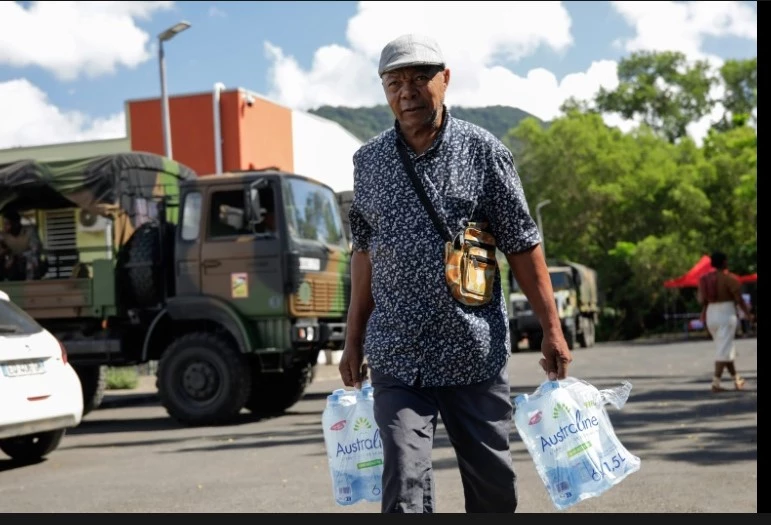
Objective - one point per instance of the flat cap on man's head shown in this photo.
(408, 51)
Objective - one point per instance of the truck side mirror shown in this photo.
(254, 205)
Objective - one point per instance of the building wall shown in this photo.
(256, 133)
(192, 129)
(265, 134)
(323, 150)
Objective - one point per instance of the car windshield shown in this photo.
(15, 321)
(312, 212)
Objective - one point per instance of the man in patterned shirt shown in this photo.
(429, 355)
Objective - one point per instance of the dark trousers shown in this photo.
(478, 419)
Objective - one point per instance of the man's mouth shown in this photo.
(411, 110)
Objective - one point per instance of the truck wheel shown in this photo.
(32, 447)
(570, 337)
(203, 380)
(534, 340)
(273, 393)
(93, 381)
(514, 341)
(586, 337)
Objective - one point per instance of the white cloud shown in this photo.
(29, 118)
(679, 26)
(491, 31)
(71, 39)
(216, 12)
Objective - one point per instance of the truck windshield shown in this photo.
(312, 212)
(561, 281)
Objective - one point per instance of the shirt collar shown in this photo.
(438, 141)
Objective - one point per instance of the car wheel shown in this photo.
(32, 447)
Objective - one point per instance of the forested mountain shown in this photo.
(365, 123)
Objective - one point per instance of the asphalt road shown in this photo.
(698, 449)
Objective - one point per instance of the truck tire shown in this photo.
(515, 338)
(586, 338)
(274, 393)
(534, 340)
(570, 337)
(140, 264)
(203, 380)
(93, 381)
(32, 447)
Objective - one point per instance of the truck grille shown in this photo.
(326, 297)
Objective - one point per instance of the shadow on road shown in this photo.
(11, 464)
(682, 421)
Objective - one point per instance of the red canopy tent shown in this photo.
(691, 278)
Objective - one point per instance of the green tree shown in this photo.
(662, 90)
(740, 78)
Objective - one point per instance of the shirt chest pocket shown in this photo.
(457, 211)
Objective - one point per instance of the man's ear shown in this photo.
(446, 74)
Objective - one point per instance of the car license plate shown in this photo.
(24, 369)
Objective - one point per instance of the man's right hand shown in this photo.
(352, 368)
(556, 356)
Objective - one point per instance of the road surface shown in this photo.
(698, 449)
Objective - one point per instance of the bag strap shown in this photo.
(441, 227)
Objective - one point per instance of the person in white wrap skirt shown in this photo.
(720, 295)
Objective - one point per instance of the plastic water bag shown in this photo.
(567, 431)
(354, 447)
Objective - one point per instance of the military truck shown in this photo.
(576, 297)
(233, 283)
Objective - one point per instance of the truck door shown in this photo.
(238, 264)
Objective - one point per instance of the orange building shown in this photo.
(236, 129)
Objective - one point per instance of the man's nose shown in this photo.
(409, 90)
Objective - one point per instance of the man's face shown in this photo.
(415, 94)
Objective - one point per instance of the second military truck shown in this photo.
(576, 298)
(234, 283)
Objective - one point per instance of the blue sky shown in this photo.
(58, 87)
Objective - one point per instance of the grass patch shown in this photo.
(122, 378)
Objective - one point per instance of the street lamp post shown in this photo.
(540, 226)
(164, 37)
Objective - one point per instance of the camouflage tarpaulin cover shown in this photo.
(95, 183)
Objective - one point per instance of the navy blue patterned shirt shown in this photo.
(418, 332)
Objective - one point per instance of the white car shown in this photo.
(40, 393)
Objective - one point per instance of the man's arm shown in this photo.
(360, 308)
(530, 271)
(517, 235)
